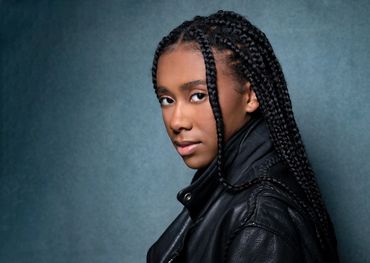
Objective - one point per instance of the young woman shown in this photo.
(226, 108)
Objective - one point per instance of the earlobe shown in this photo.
(251, 99)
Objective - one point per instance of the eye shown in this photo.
(196, 97)
(164, 101)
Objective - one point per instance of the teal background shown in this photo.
(87, 171)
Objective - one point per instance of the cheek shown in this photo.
(207, 125)
(206, 120)
(166, 116)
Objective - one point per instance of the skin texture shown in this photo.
(186, 110)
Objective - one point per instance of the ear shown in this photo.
(251, 101)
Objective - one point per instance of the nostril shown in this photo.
(176, 132)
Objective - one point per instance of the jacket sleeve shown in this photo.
(259, 244)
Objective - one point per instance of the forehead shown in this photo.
(180, 65)
(185, 61)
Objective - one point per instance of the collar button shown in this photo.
(187, 197)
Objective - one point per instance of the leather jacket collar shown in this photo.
(212, 217)
(247, 145)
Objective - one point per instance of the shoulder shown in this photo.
(273, 218)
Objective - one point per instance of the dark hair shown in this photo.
(253, 59)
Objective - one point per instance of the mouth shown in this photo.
(185, 148)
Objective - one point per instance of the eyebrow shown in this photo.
(185, 86)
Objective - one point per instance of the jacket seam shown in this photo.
(252, 200)
(262, 169)
(258, 226)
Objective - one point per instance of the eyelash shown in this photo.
(162, 99)
(203, 96)
(199, 93)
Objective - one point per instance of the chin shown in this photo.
(195, 163)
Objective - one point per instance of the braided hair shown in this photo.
(252, 58)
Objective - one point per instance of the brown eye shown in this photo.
(196, 97)
(164, 101)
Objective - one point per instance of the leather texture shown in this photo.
(263, 223)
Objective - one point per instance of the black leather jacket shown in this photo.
(262, 223)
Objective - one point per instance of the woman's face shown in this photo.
(186, 110)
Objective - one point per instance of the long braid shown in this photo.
(307, 179)
(253, 59)
(283, 96)
(307, 182)
(211, 78)
(278, 134)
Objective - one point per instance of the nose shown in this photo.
(180, 119)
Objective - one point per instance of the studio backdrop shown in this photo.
(87, 171)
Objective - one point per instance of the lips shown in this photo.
(185, 148)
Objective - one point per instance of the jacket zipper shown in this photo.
(173, 257)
